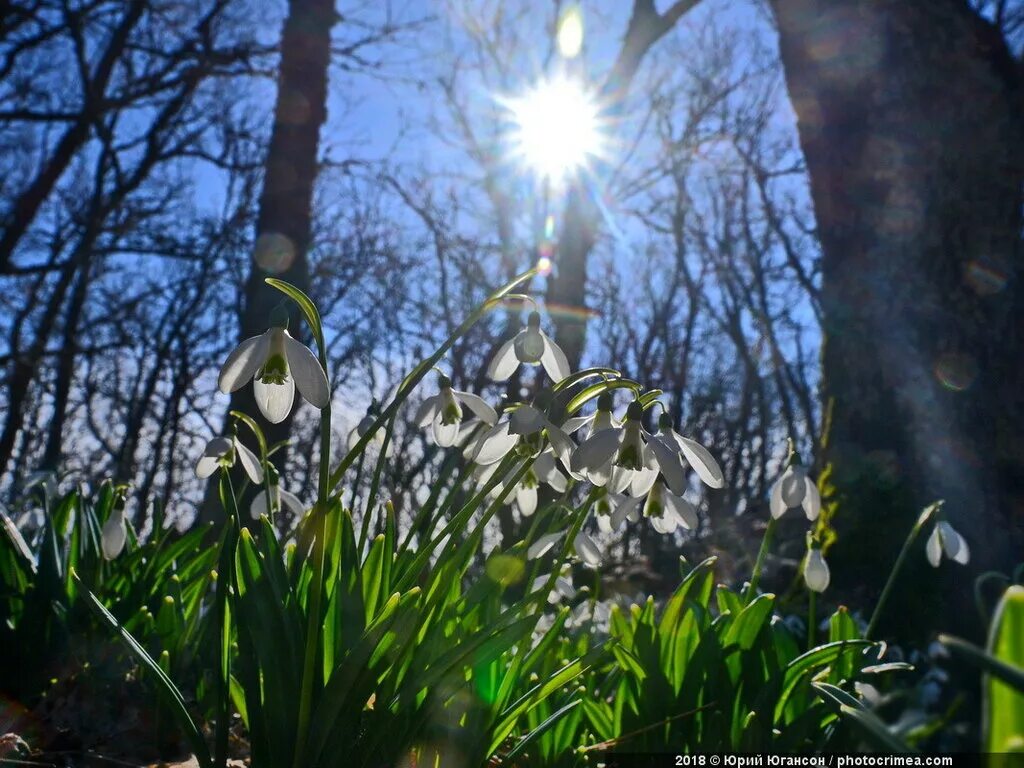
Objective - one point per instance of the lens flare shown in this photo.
(570, 32)
(557, 127)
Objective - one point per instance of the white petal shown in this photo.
(561, 444)
(576, 423)
(526, 500)
(564, 587)
(274, 400)
(963, 553)
(702, 461)
(951, 540)
(666, 523)
(427, 410)
(547, 471)
(543, 545)
(777, 505)
(629, 509)
(605, 524)
(525, 420)
(669, 464)
(243, 362)
(250, 463)
(587, 549)
(793, 486)
(307, 372)
(933, 548)
(258, 508)
(554, 360)
(816, 573)
(812, 500)
(484, 473)
(212, 454)
(477, 405)
(445, 435)
(495, 444)
(504, 363)
(620, 479)
(292, 502)
(642, 481)
(597, 452)
(113, 536)
(684, 510)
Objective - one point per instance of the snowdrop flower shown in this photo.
(945, 539)
(695, 454)
(816, 573)
(613, 509)
(114, 533)
(544, 469)
(795, 489)
(443, 412)
(527, 423)
(279, 499)
(277, 364)
(601, 418)
(586, 549)
(563, 588)
(668, 511)
(530, 346)
(222, 452)
(630, 448)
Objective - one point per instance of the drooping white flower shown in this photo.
(628, 447)
(946, 540)
(668, 511)
(613, 509)
(443, 412)
(795, 489)
(531, 346)
(527, 423)
(586, 549)
(277, 364)
(114, 533)
(279, 499)
(563, 588)
(543, 469)
(222, 452)
(816, 573)
(695, 454)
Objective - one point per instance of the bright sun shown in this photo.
(557, 128)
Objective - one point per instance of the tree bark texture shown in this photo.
(909, 116)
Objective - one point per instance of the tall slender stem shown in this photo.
(922, 521)
(755, 576)
(314, 625)
(811, 620)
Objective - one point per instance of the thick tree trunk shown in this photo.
(909, 117)
(283, 227)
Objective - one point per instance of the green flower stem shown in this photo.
(371, 499)
(915, 531)
(461, 519)
(314, 622)
(766, 543)
(811, 620)
(421, 370)
(225, 568)
(423, 522)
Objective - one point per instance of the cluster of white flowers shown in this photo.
(642, 473)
